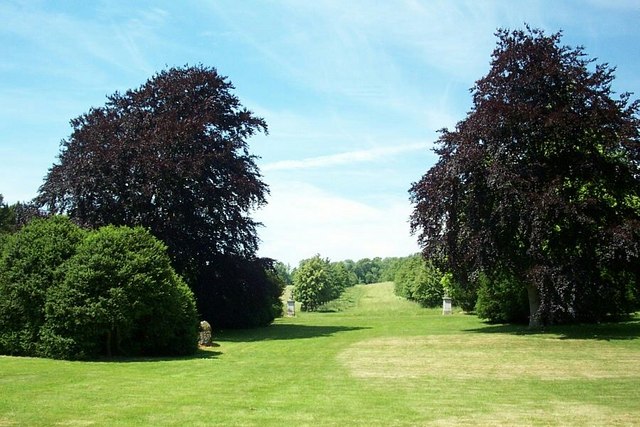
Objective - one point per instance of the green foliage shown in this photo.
(367, 270)
(463, 296)
(342, 277)
(234, 292)
(317, 281)
(172, 156)
(541, 178)
(347, 271)
(419, 281)
(389, 269)
(311, 283)
(7, 218)
(283, 273)
(29, 266)
(502, 299)
(119, 295)
(66, 293)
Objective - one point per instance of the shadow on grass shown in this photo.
(329, 310)
(613, 331)
(283, 332)
(201, 353)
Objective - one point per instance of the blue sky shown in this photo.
(353, 91)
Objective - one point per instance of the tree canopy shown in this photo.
(317, 281)
(6, 217)
(541, 183)
(170, 156)
(418, 280)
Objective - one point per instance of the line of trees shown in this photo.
(419, 280)
(361, 272)
(317, 280)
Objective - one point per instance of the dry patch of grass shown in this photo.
(490, 356)
(553, 413)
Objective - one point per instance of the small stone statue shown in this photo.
(205, 334)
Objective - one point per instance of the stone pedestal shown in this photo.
(291, 308)
(446, 305)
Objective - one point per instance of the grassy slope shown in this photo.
(378, 361)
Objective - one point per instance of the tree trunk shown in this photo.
(109, 344)
(119, 341)
(534, 306)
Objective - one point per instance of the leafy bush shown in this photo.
(235, 292)
(119, 295)
(29, 264)
(419, 281)
(502, 299)
(7, 219)
(317, 281)
(343, 276)
(464, 294)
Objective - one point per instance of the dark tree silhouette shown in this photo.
(540, 183)
(171, 156)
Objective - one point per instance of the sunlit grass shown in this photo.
(371, 359)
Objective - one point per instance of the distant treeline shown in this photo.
(318, 280)
(363, 271)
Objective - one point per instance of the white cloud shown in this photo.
(302, 220)
(347, 158)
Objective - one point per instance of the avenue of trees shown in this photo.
(143, 224)
(317, 280)
(535, 198)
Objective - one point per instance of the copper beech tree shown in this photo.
(540, 184)
(171, 156)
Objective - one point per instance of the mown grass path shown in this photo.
(375, 360)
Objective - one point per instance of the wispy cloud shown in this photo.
(353, 91)
(409, 59)
(84, 50)
(302, 220)
(347, 158)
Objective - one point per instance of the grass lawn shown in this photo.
(372, 359)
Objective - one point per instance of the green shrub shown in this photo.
(317, 281)
(235, 292)
(119, 295)
(502, 299)
(29, 261)
(420, 281)
(464, 294)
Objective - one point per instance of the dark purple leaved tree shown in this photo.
(171, 156)
(540, 183)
